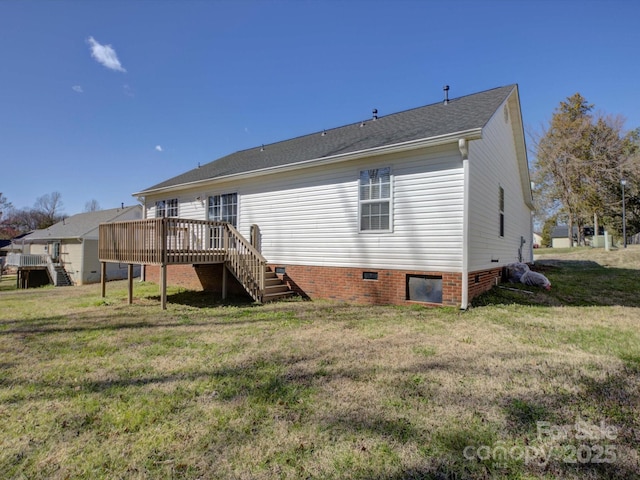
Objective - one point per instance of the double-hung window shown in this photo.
(375, 200)
(224, 208)
(167, 208)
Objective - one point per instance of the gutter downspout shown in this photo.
(463, 146)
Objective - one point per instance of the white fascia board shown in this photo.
(521, 149)
(472, 134)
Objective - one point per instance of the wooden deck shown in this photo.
(161, 241)
(174, 241)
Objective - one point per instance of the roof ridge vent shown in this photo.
(446, 94)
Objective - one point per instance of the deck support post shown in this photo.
(163, 266)
(103, 279)
(130, 279)
(224, 281)
(163, 286)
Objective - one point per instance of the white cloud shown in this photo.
(128, 91)
(158, 148)
(105, 55)
(77, 88)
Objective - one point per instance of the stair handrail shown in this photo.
(52, 270)
(245, 262)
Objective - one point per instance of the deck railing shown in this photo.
(37, 261)
(27, 260)
(160, 241)
(245, 262)
(171, 241)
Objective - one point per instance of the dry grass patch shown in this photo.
(94, 389)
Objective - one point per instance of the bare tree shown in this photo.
(92, 206)
(49, 208)
(5, 205)
(6, 232)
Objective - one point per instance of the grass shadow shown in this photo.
(203, 299)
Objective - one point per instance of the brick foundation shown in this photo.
(348, 285)
(483, 280)
(335, 283)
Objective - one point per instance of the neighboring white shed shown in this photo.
(560, 237)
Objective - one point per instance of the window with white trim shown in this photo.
(221, 208)
(224, 208)
(167, 208)
(375, 200)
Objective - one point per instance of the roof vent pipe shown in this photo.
(375, 113)
(446, 94)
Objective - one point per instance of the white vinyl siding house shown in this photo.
(401, 202)
(314, 219)
(492, 168)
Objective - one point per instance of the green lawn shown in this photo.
(526, 384)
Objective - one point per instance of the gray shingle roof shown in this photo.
(463, 113)
(77, 226)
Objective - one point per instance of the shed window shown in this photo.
(501, 210)
(375, 199)
(167, 208)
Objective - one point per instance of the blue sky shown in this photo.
(100, 99)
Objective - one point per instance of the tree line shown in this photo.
(46, 211)
(582, 160)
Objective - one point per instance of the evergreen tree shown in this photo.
(580, 160)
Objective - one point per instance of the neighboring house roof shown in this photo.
(13, 245)
(79, 226)
(463, 114)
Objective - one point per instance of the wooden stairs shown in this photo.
(61, 277)
(274, 287)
